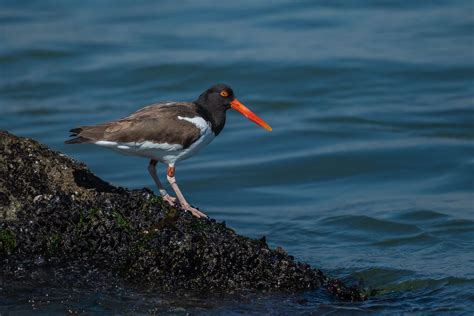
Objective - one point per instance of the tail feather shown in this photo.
(86, 134)
(76, 131)
(77, 140)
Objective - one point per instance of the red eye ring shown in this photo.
(224, 93)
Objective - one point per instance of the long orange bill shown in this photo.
(245, 111)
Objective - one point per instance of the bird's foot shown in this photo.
(171, 200)
(194, 211)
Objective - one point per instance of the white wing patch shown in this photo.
(198, 121)
(207, 135)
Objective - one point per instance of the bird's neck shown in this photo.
(216, 117)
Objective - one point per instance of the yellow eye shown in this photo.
(224, 93)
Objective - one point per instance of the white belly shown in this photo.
(166, 153)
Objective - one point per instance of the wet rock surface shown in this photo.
(56, 216)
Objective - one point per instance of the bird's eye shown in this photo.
(224, 93)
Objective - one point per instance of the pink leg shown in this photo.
(184, 204)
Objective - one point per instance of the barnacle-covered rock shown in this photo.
(55, 213)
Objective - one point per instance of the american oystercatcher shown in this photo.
(168, 132)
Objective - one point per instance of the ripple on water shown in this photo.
(455, 228)
(37, 54)
(385, 281)
(422, 215)
(428, 284)
(417, 240)
(370, 225)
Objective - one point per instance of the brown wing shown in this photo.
(158, 123)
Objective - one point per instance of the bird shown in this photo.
(168, 132)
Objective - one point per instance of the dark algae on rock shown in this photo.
(55, 213)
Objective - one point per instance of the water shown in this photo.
(368, 172)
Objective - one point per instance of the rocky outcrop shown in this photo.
(54, 212)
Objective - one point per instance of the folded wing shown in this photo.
(159, 123)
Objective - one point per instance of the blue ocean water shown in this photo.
(368, 172)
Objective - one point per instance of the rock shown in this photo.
(54, 212)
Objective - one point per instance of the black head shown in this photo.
(215, 101)
(217, 97)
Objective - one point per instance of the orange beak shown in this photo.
(245, 111)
